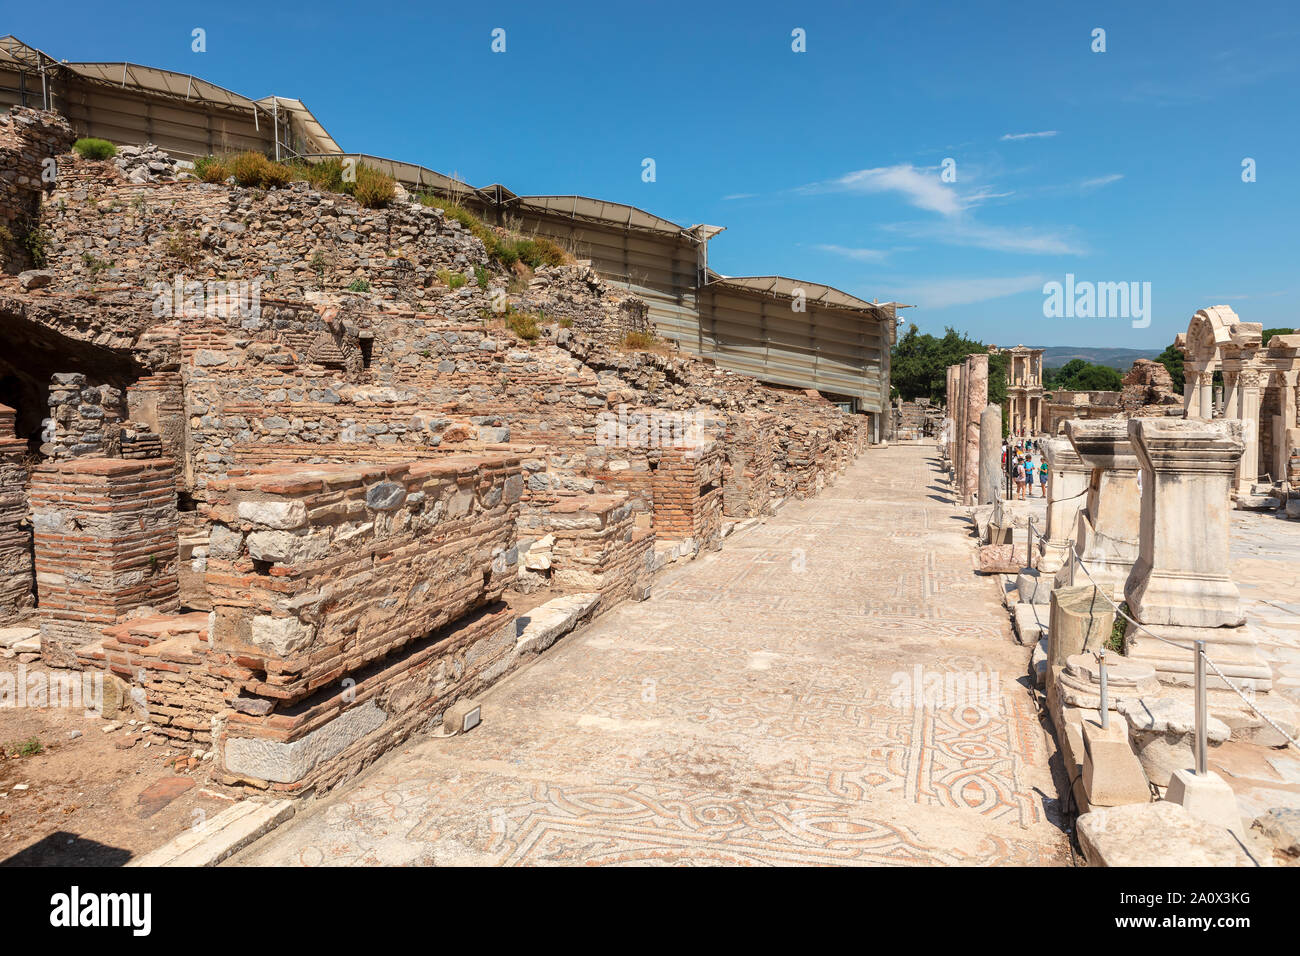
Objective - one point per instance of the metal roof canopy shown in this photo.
(182, 86)
(783, 287)
(603, 212)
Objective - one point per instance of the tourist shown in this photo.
(1020, 478)
(1042, 477)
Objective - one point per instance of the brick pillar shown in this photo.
(688, 494)
(105, 544)
(16, 583)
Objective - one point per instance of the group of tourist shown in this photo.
(1027, 462)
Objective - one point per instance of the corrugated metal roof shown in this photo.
(14, 50)
(153, 80)
(603, 212)
(784, 287)
(317, 136)
(183, 86)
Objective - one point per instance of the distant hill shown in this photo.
(1054, 356)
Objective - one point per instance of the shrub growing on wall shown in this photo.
(373, 189)
(89, 147)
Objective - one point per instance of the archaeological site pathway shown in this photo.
(757, 709)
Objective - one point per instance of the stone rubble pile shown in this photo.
(148, 164)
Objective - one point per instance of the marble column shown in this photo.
(990, 486)
(1205, 381)
(1107, 537)
(1232, 401)
(1248, 471)
(976, 378)
(1067, 489)
(1179, 587)
(1191, 395)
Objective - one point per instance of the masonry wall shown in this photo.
(16, 581)
(105, 546)
(318, 573)
(28, 138)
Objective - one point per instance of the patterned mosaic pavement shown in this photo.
(834, 687)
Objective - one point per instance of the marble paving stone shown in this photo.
(749, 713)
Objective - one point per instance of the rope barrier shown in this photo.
(1078, 563)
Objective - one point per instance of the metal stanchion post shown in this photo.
(1101, 677)
(1201, 713)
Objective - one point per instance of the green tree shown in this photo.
(1172, 359)
(1078, 375)
(1269, 333)
(919, 363)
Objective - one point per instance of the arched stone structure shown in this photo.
(1259, 389)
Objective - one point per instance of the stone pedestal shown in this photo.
(1080, 619)
(1179, 588)
(990, 462)
(1181, 574)
(1107, 536)
(1112, 775)
(1079, 682)
(1205, 796)
(1067, 490)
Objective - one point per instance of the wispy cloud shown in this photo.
(1039, 135)
(1101, 181)
(946, 292)
(919, 187)
(997, 238)
(739, 196)
(862, 255)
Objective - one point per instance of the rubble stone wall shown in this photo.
(29, 139)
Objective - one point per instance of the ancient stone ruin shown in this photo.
(267, 466)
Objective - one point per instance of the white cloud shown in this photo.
(1101, 181)
(996, 238)
(738, 196)
(942, 293)
(919, 187)
(1039, 135)
(862, 255)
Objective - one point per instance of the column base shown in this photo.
(1234, 649)
(1190, 600)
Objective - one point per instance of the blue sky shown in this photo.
(824, 165)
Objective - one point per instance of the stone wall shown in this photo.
(105, 533)
(317, 573)
(85, 420)
(748, 473)
(28, 140)
(16, 581)
(592, 544)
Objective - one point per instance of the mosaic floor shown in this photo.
(834, 687)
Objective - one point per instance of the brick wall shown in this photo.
(688, 493)
(105, 546)
(16, 582)
(595, 546)
(318, 574)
